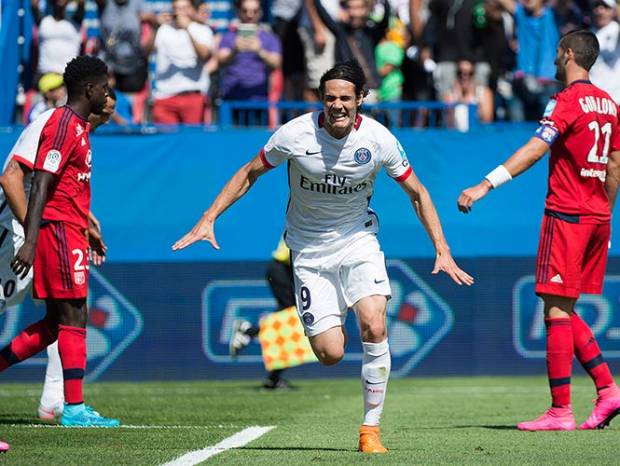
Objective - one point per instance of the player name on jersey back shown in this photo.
(601, 105)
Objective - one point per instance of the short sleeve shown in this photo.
(271, 43)
(275, 151)
(202, 34)
(615, 140)
(557, 118)
(392, 54)
(395, 159)
(58, 140)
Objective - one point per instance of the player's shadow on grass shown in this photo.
(17, 421)
(297, 449)
(488, 426)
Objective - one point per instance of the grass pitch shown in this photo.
(426, 421)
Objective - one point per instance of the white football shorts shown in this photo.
(13, 290)
(328, 284)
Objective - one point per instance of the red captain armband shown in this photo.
(404, 176)
(263, 159)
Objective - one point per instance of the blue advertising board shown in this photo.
(173, 321)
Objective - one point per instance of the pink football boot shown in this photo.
(552, 419)
(607, 406)
(4, 446)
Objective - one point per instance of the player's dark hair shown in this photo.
(584, 45)
(81, 70)
(348, 71)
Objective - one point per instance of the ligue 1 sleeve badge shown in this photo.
(362, 156)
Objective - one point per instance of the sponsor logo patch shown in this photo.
(52, 161)
(549, 108)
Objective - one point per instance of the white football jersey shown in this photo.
(25, 152)
(331, 180)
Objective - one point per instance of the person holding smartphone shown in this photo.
(247, 55)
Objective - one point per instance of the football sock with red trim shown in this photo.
(29, 342)
(559, 359)
(589, 353)
(72, 349)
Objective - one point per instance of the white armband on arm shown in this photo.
(498, 176)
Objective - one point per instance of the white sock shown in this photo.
(375, 374)
(53, 395)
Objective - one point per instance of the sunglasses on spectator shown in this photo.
(248, 11)
(464, 74)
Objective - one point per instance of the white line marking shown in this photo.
(235, 441)
(56, 426)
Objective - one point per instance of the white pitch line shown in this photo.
(237, 440)
(56, 426)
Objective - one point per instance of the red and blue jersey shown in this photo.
(582, 128)
(64, 151)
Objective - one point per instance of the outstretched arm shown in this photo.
(424, 208)
(236, 187)
(518, 162)
(38, 195)
(612, 180)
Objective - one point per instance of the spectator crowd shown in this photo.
(171, 62)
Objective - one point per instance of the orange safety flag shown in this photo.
(283, 341)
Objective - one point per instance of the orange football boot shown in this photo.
(370, 441)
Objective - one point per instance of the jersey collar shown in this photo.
(76, 114)
(581, 81)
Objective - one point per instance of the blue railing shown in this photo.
(419, 114)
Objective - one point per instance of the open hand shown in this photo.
(202, 231)
(445, 263)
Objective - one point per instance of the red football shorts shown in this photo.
(61, 262)
(572, 256)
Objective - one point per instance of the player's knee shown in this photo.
(330, 356)
(374, 331)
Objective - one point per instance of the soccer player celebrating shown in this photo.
(15, 181)
(581, 127)
(333, 158)
(56, 242)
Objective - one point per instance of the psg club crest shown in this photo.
(418, 319)
(362, 156)
(113, 324)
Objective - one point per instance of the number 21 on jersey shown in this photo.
(595, 155)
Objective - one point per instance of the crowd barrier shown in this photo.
(156, 314)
